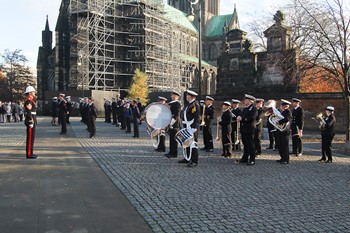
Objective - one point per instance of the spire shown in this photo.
(234, 22)
(47, 27)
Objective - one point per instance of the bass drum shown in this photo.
(158, 116)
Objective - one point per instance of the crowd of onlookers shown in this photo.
(11, 112)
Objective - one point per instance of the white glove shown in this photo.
(193, 130)
(31, 125)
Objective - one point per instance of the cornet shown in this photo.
(217, 138)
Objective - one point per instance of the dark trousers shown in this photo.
(30, 141)
(194, 157)
(122, 122)
(161, 146)
(236, 147)
(136, 128)
(108, 117)
(327, 147)
(62, 119)
(249, 148)
(67, 118)
(92, 126)
(297, 144)
(226, 141)
(114, 115)
(275, 135)
(257, 141)
(271, 139)
(173, 143)
(283, 146)
(208, 137)
(128, 124)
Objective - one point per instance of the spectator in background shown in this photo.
(8, 112)
(21, 111)
(128, 117)
(2, 112)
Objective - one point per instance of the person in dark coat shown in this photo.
(297, 125)
(136, 115)
(108, 110)
(236, 144)
(161, 145)
(247, 121)
(62, 107)
(207, 128)
(30, 121)
(283, 136)
(91, 118)
(16, 110)
(114, 111)
(327, 133)
(54, 111)
(226, 128)
(69, 108)
(191, 115)
(128, 117)
(175, 108)
(258, 126)
(121, 114)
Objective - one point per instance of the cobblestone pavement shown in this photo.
(220, 195)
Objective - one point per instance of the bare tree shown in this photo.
(18, 76)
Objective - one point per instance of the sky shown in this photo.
(21, 21)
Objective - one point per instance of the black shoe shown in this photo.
(299, 155)
(284, 162)
(322, 160)
(250, 163)
(278, 161)
(209, 150)
(92, 136)
(183, 161)
(269, 148)
(192, 164)
(329, 161)
(257, 154)
(32, 157)
(168, 155)
(203, 148)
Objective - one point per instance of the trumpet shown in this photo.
(320, 120)
(203, 120)
(217, 138)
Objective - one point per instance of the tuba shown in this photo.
(274, 119)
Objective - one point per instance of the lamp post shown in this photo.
(80, 64)
(190, 17)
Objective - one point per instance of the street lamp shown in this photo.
(190, 17)
(80, 64)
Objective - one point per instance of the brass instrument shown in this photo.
(269, 104)
(203, 119)
(275, 118)
(236, 152)
(217, 138)
(320, 120)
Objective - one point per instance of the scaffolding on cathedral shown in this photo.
(112, 38)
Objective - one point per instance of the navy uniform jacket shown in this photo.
(92, 112)
(62, 106)
(235, 113)
(30, 111)
(175, 108)
(136, 115)
(328, 129)
(248, 115)
(226, 120)
(259, 122)
(192, 112)
(209, 115)
(297, 118)
(69, 106)
(287, 115)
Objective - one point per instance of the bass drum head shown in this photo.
(158, 115)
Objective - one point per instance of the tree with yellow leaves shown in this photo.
(139, 87)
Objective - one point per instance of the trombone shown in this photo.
(218, 126)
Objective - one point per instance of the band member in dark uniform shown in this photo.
(54, 111)
(327, 133)
(114, 111)
(208, 124)
(258, 126)
(121, 114)
(136, 115)
(297, 127)
(69, 108)
(235, 113)
(271, 129)
(247, 121)
(62, 106)
(226, 128)
(128, 117)
(175, 108)
(92, 115)
(191, 114)
(161, 145)
(30, 120)
(283, 137)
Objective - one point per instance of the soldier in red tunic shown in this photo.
(30, 120)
